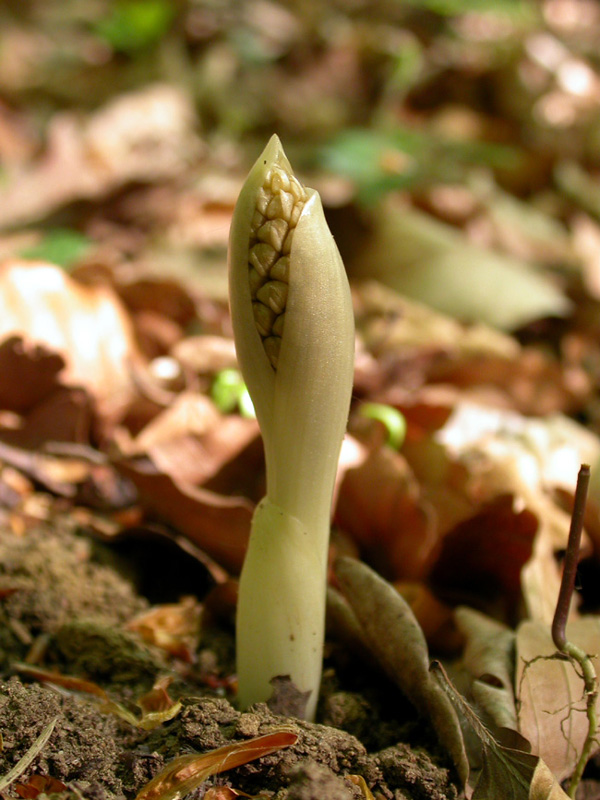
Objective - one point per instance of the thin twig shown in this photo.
(563, 604)
(559, 624)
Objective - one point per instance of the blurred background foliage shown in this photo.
(427, 87)
(484, 115)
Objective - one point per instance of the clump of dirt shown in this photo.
(56, 589)
(85, 749)
(50, 576)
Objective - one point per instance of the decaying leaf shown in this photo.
(523, 457)
(489, 658)
(175, 627)
(39, 784)
(157, 706)
(381, 507)
(551, 692)
(392, 633)
(29, 371)
(143, 136)
(186, 773)
(506, 773)
(87, 327)
(217, 524)
(190, 440)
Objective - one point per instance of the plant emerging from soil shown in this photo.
(294, 332)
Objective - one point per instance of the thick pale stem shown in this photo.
(281, 608)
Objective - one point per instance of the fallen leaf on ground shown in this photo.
(29, 373)
(481, 559)
(186, 773)
(489, 658)
(391, 631)
(217, 524)
(380, 506)
(66, 415)
(39, 784)
(190, 440)
(143, 136)
(174, 627)
(87, 327)
(524, 458)
(506, 773)
(157, 706)
(436, 264)
(551, 692)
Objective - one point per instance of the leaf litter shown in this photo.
(112, 178)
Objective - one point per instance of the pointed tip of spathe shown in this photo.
(275, 154)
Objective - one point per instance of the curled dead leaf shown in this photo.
(186, 773)
(392, 633)
(87, 327)
(507, 773)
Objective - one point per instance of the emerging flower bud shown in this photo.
(294, 332)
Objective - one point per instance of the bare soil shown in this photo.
(64, 603)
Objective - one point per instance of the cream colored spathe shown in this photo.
(301, 399)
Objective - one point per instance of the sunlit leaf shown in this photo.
(436, 264)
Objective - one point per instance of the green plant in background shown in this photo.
(294, 332)
(229, 392)
(61, 246)
(135, 24)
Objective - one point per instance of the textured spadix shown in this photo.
(294, 333)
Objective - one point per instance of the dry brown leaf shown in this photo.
(397, 642)
(481, 559)
(186, 773)
(435, 617)
(551, 693)
(217, 524)
(380, 506)
(524, 457)
(507, 773)
(39, 784)
(157, 706)
(142, 136)
(87, 327)
(29, 373)
(65, 416)
(191, 441)
(174, 627)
